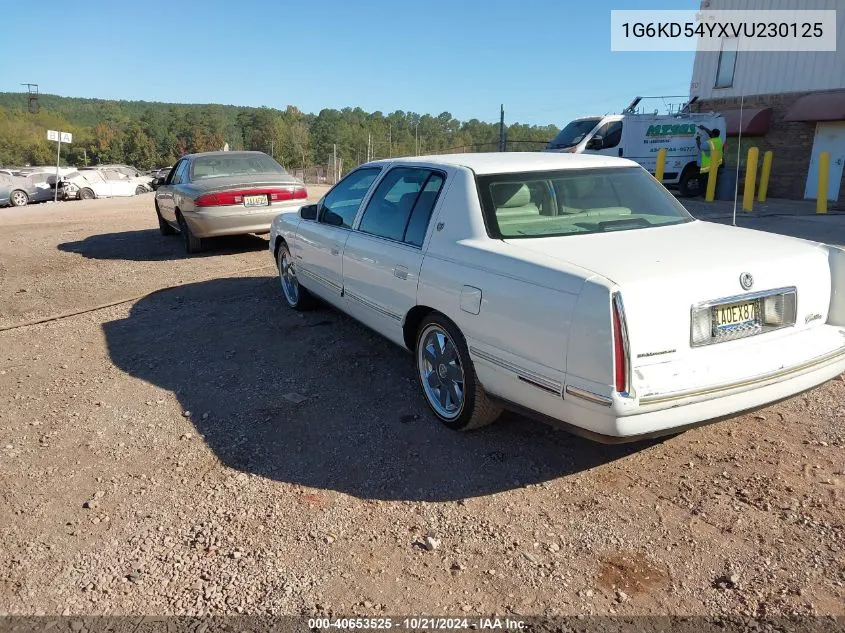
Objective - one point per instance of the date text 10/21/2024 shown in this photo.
(417, 623)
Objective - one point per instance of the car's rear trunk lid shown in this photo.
(663, 272)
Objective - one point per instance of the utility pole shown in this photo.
(389, 141)
(502, 128)
(417, 137)
(369, 147)
(334, 162)
(273, 148)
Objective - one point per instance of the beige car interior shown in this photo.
(521, 205)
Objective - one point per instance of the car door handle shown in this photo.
(401, 272)
(335, 251)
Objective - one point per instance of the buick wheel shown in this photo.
(193, 244)
(447, 376)
(295, 295)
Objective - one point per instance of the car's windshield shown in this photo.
(218, 166)
(573, 133)
(575, 202)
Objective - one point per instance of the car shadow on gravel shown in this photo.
(321, 401)
(148, 245)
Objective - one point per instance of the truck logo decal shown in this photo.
(678, 129)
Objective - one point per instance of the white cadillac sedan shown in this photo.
(572, 288)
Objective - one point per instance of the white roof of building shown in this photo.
(504, 162)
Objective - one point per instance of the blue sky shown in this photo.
(548, 61)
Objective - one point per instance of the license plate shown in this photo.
(736, 314)
(256, 201)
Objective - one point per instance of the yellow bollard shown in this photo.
(764, 176)
(661, 164)
(821, 193)
(715, 158)
(750, 179)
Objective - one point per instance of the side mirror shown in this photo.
(308, 212)
(597, 142)
(331, 218)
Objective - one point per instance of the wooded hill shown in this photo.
(150, 134)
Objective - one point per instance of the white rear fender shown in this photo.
(589, 359)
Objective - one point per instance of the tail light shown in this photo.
(229, 198)
(620, 347)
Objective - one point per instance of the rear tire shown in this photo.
(139, 190)
(193, 244)
(163, 227)
(86, 194)
(295, 295)
(690, 182)
(447, 376)
(18, 198)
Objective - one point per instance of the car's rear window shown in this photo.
(234, 165)
(575, 202)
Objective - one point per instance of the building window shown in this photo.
(727, 63)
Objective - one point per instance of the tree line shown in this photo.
(149, 134)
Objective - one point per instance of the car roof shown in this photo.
(223, 153)
(504, 162)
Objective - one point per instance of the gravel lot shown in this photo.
(202, 449)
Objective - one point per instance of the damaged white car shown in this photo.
(102, 183)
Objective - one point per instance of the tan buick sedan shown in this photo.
(224, 193)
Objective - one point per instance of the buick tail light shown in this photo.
(620, 347)
(231, 198)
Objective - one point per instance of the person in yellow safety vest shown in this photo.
(706, 148)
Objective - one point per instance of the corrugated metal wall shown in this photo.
(771, 73)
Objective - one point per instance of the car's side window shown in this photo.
(346, 196)
(421, 213)
(611, 134)
(401, 205)
(179, 173)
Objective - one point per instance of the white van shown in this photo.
(640, 136)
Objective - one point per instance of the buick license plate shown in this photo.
(256, 201)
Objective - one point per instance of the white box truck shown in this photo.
(639, 137)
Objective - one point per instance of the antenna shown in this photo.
(738, 153)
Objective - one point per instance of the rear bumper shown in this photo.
(231, 221)
(675, 412)
(786, 365)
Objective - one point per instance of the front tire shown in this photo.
(193, 244)
(18, 198)
(295, 295)
(447, 376)
(689, 185)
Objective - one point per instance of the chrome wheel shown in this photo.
(287, 276)
(441, 373)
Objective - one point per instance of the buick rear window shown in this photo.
(575, 202)
(234, 165)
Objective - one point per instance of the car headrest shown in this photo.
(509, 194)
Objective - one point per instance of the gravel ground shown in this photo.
(204, 450)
